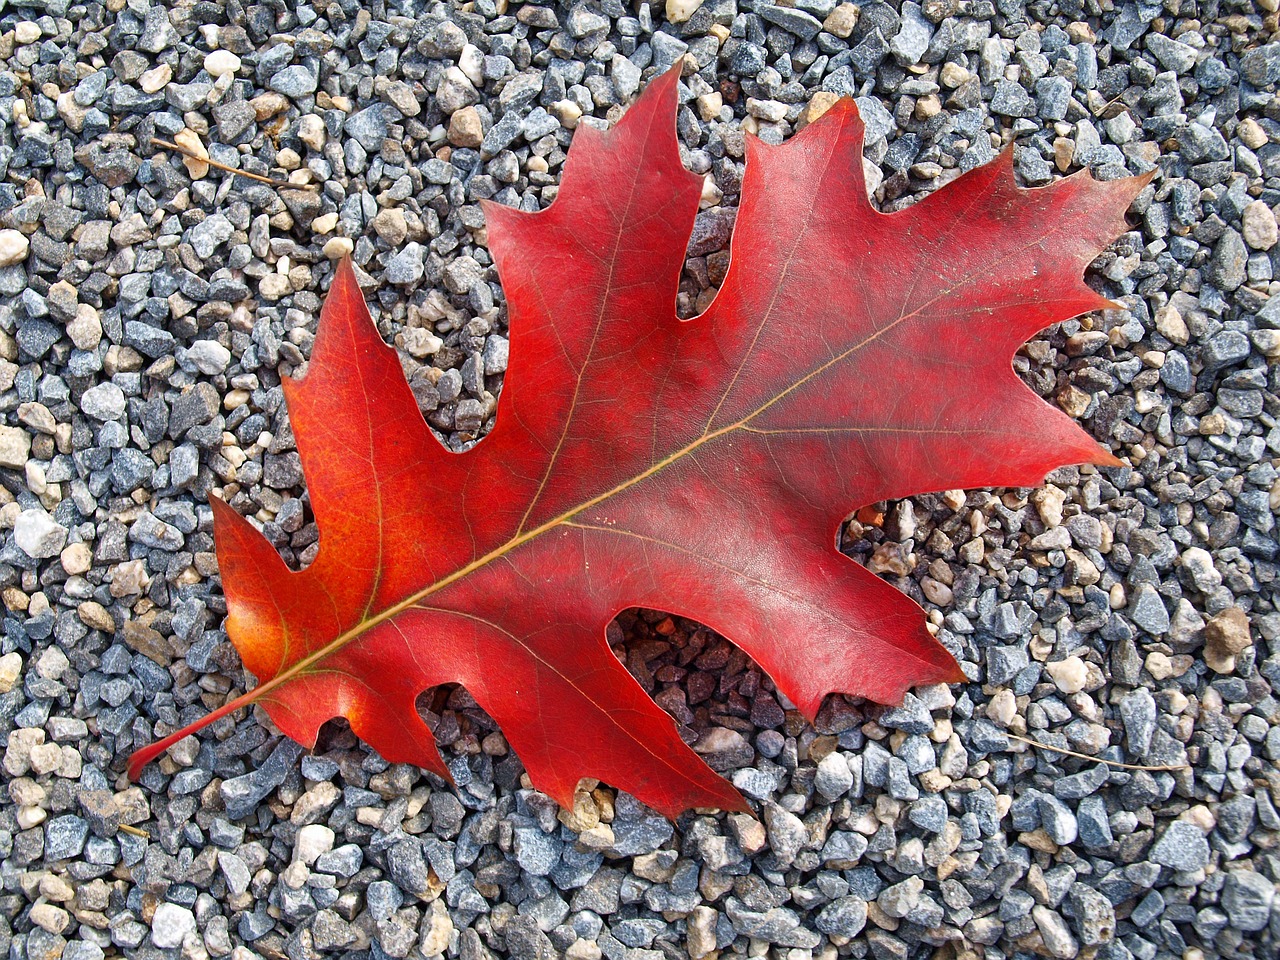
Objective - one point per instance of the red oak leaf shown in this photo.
(701, 467)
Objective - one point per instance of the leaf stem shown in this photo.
(144, 755)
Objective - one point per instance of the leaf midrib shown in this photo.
(302, 666)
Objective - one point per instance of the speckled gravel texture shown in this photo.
(149, 307)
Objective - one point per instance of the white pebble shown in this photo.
(1049, 501)
(324, 223)
(1070, 674)
(45, 758)
(1003, 707)
(13, 247)
(273, 286)
(85, 330)
(421, 343)
(156, 79)
(1159, 665)
(170, 925)
(52, 663)
(38, 534)
(678, 11)
(10, 670)
(311, 131)
(471, 63)
(567, 112)
(336, 248)
(29, 817)
(313, 840)
(221, 63)
(209, 356)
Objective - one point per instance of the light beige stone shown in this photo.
(1258, 224)
(76, 558)
(15, 447)
(1159, 665)
(1251, 133)
(311, 131)
(567, 112)
(48, 917)
(156, 79)
(96, 617)
(709, 105)
(701, 932)
(466, 128)
(56, 888)
(1049, 502)
(952, 75)
(45, 758)
(1171, 326)
(390, 225)
(841, 21)
(324, 223)
(10, 670)
(85, 329)
(274, 286)
(196, 163)
(820, 103)
(436, 936)
(1002, 707)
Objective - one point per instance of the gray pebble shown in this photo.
(1181, 847)
(64, 837)
(1247, 896)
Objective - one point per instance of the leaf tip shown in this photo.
(344, 271)
(1105, 458)
(227, 520)
(956, 673)
(219, 506)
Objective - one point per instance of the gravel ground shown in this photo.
(149, 307)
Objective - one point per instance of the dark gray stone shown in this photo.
(1012, 100)
(368, 127)
(844, 917)
(803, 25)
(535, 851)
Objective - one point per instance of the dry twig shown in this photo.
(1110, 763)
(278, 184)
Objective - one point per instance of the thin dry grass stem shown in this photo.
(126, 828)
(278, 184)
(1159, 768)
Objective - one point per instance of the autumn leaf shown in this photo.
(701, 467)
